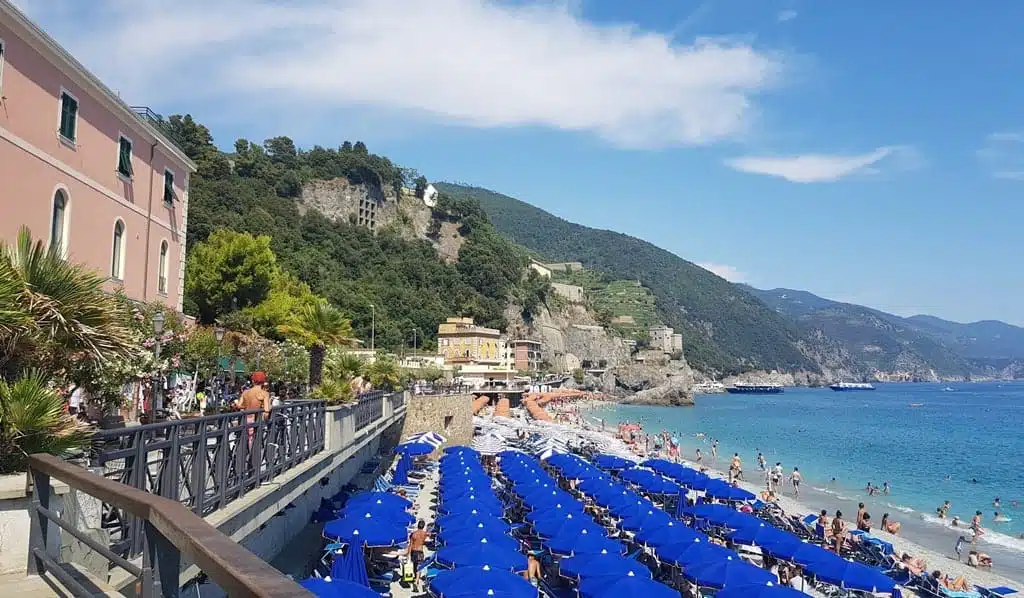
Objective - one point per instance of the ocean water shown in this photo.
(931, 445)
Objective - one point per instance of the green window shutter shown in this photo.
(68, 112)
(169, 196)
(124, 162)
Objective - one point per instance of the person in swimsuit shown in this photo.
(822, 526)
(885, 488)
(533, 572)
(700, 457)
(735, 468)
(943, 510)
(860, 513)
(795, 478)
(976, 527)
(256, 397)
(838, 532)
(892, 527)
(714, 450)
(416, 541)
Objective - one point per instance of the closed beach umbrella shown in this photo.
(401, 476)
(759, 591)
(601, 565)
(365, 531)
(630, 586)
(337, 588)
(584, 541)
(719, 573)
(474, 582)
(849, 575)
(350, 566)
(480, 554)
(380, 499)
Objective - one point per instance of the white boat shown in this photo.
(708, 387)
(844, 386)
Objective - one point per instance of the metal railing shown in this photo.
(169, 531)
(203, 463)
(369, 408)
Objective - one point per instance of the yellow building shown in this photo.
(459, 340)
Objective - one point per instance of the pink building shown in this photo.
(82, 169)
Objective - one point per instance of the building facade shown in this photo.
(461, 341)
(526, 355)
(540, 269)
(661, 338)
(85, 172)
(571, 292)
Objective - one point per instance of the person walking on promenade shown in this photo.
(256, 397)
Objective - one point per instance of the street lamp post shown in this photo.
(219, 333)
(373, 325)
(158, 331)
(414, 343)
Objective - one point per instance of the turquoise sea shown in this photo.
(931, 445)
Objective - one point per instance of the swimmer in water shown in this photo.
(995, 502)
(885, 488)
(1000, 518)
(943, 510)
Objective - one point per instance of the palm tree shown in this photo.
(33, 420)
(317, 326)
(72, 319)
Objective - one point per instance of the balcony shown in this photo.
(146, 115)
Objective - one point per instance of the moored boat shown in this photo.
(843, 386)
(745, 388)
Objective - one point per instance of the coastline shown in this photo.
(932, 543)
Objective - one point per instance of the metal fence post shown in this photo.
(162, 565)
(39, 531)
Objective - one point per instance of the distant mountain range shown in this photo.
(885, 341)
(729, 328)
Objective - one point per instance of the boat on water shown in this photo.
(708, 387)
(746, 388)
(948, 389)
(844, 386)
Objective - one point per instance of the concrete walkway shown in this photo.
(423, 508)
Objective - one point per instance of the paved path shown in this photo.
(424, 508)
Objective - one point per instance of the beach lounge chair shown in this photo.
(996, 592)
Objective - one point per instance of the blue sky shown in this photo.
(866, 151)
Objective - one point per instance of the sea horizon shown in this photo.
(930, 445)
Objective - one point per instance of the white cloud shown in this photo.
(823, 168)
(786, 15)
(730, 273)
(477, 63)
(1002, 155)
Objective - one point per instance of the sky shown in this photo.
(869, 152)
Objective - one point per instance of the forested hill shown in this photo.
(403, 283)
(725, 329)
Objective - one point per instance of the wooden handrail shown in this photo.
(236, 570)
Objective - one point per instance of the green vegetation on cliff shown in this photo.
(409, 287)
(725, 329)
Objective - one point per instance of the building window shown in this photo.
(68, 117)
(58, 222)
(2, 50)
(117, 254)
(169, 196)
(162, 269)
(124, 157)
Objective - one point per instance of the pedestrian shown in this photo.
(796, 478)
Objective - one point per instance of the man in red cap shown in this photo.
(256, 397)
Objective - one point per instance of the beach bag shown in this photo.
(408, 572)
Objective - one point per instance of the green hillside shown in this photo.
(725, 329)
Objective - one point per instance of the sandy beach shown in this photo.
(946, 563)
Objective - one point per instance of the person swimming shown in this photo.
(943, 510)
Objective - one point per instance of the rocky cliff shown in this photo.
(573, 340)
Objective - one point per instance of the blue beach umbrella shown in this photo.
(584, 542)
(801, 553)
(567, 523)
(626, 508)
(555, 510)
(350, 566)
(601, 565)
(415, 449)
(658, 465)
(672, 533)
(472, 535)
(382, 512)
(380, 498)
(612, 462)
(401, 476)
(648, 519)
(365, 531)
(466, 505)
(630, 586)
(337, 588)
(759, 591)
(480, 554)
(722, 490)
(686, 553)
(470, 518)
(596, 486)
(460, 450)
(473, 582)
(488, 527)
(719, 573)
(707, 510)
(849, 575)
(761, 535)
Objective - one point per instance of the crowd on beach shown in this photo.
(667, 445)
